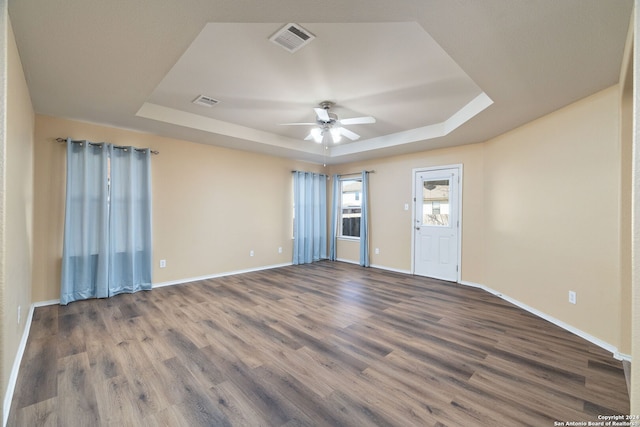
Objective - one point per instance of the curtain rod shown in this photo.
(121, 147)
(344, 174)
(356, 173)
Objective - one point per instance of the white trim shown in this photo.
(414, 172)
(13, 377)
(348, 261)
(45, 303)
(435, 130)
(477, 285)
(187, 280)
(395, 270)
(213, 276)
(349, 238)
(381, 267)
(341, 179)
(174, 116)
(597, 341)
(622, 357)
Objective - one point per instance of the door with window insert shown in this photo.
(436, 223)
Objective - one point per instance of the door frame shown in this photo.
(416, 171)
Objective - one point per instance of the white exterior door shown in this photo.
(436, 223)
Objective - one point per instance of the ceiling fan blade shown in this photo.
(297, 124)
(351, 135)
(323, 115)
(358, 121)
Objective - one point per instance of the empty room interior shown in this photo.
(330, 213)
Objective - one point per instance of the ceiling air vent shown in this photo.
(205, 101)
(292, 37)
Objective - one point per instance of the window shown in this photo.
(435, 203)
(350, 207)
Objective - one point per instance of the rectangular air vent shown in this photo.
(292, 37)
(205, 101)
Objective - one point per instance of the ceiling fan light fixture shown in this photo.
(317, 134)
(336, 135)
(328, 123)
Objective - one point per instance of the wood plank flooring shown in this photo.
(326, 344)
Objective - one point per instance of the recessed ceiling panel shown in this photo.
(394, 72)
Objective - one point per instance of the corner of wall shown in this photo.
(3, 123)
(635, 225)
(16, 213)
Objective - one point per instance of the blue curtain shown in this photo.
(86, 237)
(310, 211)
(130, 221)
(335, 205)
(364, 221)
(107, 230)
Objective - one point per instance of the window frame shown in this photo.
(341, 208)
(440, 205)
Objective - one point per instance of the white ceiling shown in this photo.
(434, 73)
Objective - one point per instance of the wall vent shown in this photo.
(205, 101)
(292, 37)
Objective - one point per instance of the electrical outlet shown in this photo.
(377, 251)
(19, 314)
(280, 250)
(572, 297)
(406, 206)
(251, 253)
(163, 263)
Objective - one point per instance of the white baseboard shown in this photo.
(348, 261)
(395, 270)
(213, 276)
(187, 280)
(45, 303)
(597, 341)
(13, 377)
(381, 267)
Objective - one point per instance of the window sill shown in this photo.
(349, 239)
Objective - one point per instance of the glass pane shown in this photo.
(435, 203)
(351, 207)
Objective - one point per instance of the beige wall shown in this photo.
(552, 214)
(390, 225)
(3, 182)
(540, 213)
(626, 179)
(211, 206)
(635, 220)
(19, 208)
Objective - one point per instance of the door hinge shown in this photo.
(414, 199)
(456, 268)
(458, 223)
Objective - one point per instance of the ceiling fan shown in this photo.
(329, 123)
